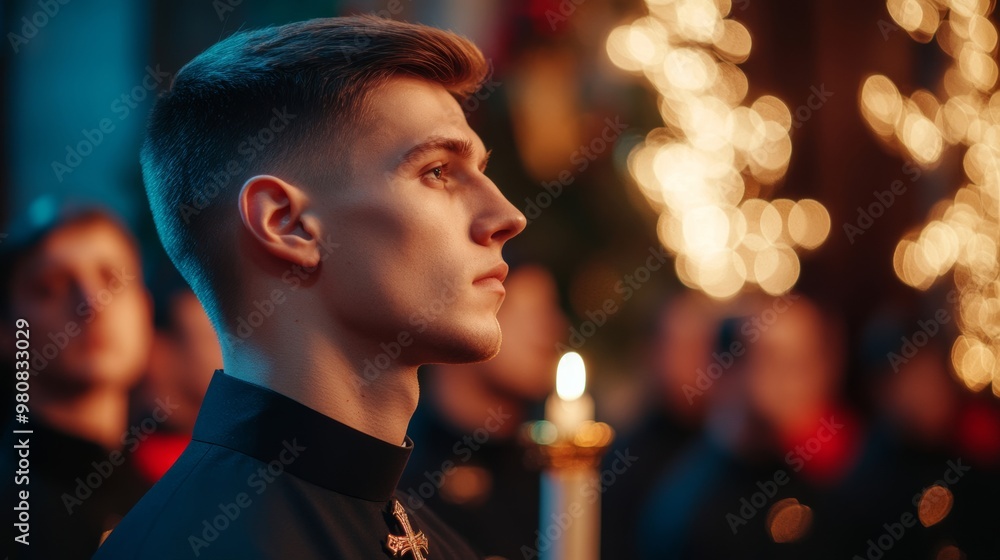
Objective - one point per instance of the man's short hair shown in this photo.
(270, 101)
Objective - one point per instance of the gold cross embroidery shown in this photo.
(408, 542)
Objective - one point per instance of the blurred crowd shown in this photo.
(117, 376)
(743, 439)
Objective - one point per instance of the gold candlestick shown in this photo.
(570, 509)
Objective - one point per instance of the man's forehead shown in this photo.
(406, 89)
(86, 243)
(406, 103)
(405, 113)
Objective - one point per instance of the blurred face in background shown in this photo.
(81, 290)
(921, 399)
(792, 374)
(532, 324)
(686, 337)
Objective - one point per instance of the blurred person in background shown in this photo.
(678, 353)
(469, 466)
(775, 432)
(185, 352)
(78, 282)
(920, 404)
(926, 431)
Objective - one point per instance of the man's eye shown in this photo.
(439, 173)
(49, 288)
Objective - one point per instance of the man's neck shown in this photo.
(466, 400)
(307, 366)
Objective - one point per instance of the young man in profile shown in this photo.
(318, 186)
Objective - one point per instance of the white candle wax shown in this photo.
(569, 415)
(570, 517)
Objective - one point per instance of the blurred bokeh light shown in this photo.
(961, 233)
(713, 166)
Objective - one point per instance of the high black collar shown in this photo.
(263, 424)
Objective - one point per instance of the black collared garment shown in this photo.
(77, 490)
(267, 477)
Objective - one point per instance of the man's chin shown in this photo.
(468, 347)
(470, 354)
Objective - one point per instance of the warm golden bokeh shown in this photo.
(962, 234)
(709, 170)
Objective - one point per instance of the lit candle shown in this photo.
(570, 406)
(570, 522)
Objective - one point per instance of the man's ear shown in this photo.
(278, 216)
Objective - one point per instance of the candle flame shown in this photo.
(571, 376)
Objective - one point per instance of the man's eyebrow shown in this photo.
(463, 148)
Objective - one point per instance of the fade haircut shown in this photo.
(267, 102)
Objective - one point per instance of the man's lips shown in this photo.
(494, 276)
